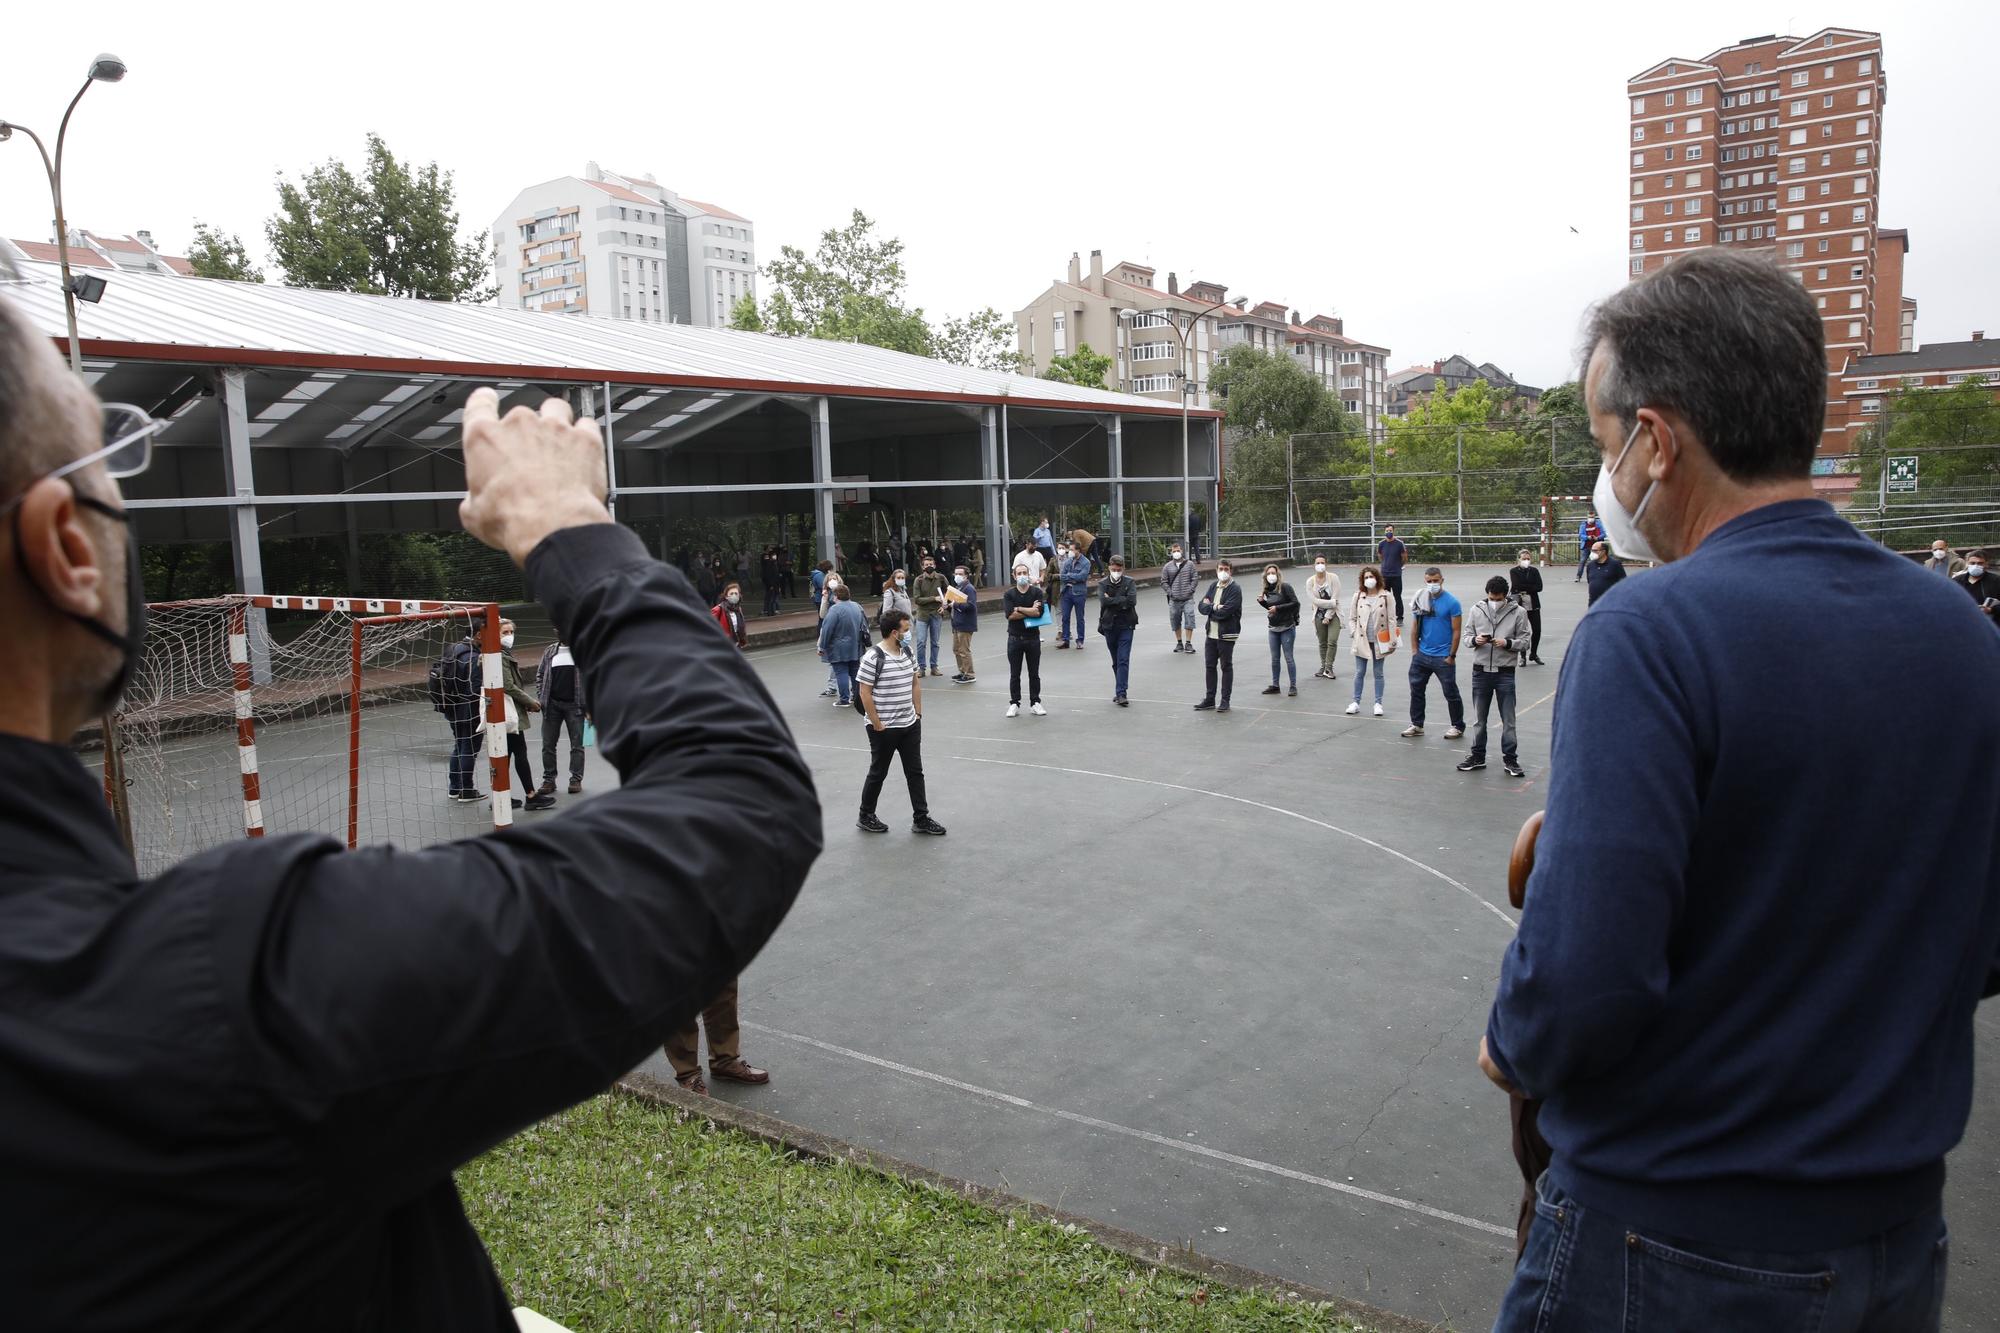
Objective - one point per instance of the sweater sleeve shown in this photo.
(1588, 969)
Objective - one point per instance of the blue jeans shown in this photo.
(843, 678)
(1584, 1272)
(930, 633)
(1361, 665)
(1119, 642)
(1422, 668)
(1582, 561)
(465, 736)
(1282, 641)
(1486, 687)
(1074, 595)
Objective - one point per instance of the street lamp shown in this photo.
(106, 68)
(1187, 391)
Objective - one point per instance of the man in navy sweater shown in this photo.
(1745, 991)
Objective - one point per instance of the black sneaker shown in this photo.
(1122, 701)
(1292, 693)
(928, 826)
(1222, 708)
(869, 824)
(466, 797)
(1272, 689)
(517, 802)
(1471, 764)
(1512, 768)
(1205, 706)
(541, 802)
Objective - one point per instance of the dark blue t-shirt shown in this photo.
(1392, 552)
(1434, 637)
(1756, 934)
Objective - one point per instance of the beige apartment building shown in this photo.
(1122, 315)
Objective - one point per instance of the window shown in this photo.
(1796, 222)
(1870, 406)
(1638, 187)
(1669, 155)
(1823, 218)
(1853, 273)
(1854, 301)
(1694, 180)
(1795, 250)
(1668, 100)
(1799, 108)
(1820, 303)
(1861, 185)
(1801, 78)
(1795, 195)
(1694, 97)
(1726, 236)
(1761, 93)
(1826, 131)
(1796, 165)
(1826, 102)
(1861, 214)
(1638, 134)
(1860, 244)
(1826, 159)
(1954, 379)
(1822, 247)
(1638, 212)
(1729, 99)
(1668, 184)
(1826, 187)
(1826, 71)
(1691, 235)
(1153, 384)
(1694, 152)
(1860, 157)
(1638, 106)
(1694, 124)
(1867, 67)
(1693, 207)
(1853, 328)
(1796, 137)
(1673, 127)
(1757, 124)
(1754, 67)
(1861, 125)
(1667, 209)
(1638, 266)
(1638, 159)
(1667, 236)
(1728, 127)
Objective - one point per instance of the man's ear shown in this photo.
(1667, 446)
(60, 554)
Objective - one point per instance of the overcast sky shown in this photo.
(1415, 170)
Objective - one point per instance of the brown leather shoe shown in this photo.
(739, 1070)
(548, 788)
(575, 786)
(692, 1083)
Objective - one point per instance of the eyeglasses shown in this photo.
(127, 451)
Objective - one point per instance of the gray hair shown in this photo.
(1729, 341)
(47, 416)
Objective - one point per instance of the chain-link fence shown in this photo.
(1927, 467)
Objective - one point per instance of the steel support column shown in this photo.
(610, 458)
(995, 536)
(1114, 430)
(246, 552)
(822, 457)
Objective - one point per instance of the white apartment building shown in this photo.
(1354, 372)
(622, 247)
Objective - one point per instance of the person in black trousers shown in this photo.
(1223, 605)
(1024, 602)
(1526, 583)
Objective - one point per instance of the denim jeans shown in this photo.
(1119, 642)
(843, 678)
(1361, 665)
(1486, 687)
(466, 734)
(1582, 561)
(1282, 641)
(929, 635)
(1422, 668)
(555, 718)
(1074, 596)
(1584, 1272)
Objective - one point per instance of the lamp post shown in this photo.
(1187, 392)
(105, 69)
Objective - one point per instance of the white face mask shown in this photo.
(1177, 555)
(1525, 562)
(1021, 579)
(899, 583)
(1320, 568)
(1368, 584)
(1939, 553)
(1116, 575)
(1496, 602)
(506, 641)
(1976, 571)
(1271, 579)
(1222, 576)
(1437, 589)
(735, 597)
(1621, 528)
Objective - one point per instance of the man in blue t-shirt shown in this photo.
(1391, 551)
(1434, 652)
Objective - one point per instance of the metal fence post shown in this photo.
(1459, 472)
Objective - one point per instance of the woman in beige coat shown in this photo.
(1371, 627)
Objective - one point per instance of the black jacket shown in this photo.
(1117, 604)
(1525, 582)
(233, 1095)
(1282, 602)
(1223, 605)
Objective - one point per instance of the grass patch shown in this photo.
(618, 1214)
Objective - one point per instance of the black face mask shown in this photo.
(132, 643)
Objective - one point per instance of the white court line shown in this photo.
(1143, 1135)
(1404, 857)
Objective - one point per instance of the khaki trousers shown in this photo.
(725, 1041)
(961, 649)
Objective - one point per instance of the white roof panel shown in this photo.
(155, 317)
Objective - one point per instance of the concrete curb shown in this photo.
(1153, 1253)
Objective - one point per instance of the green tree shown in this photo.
(219, 254)
(984, 340)
(1082, 367)
(744, 315)
(1266, 393)
(1953, 431)
(392, 231)
(1284, 425)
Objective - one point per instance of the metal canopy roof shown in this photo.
(211, 322)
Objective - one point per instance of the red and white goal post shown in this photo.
(292, 713)
(1549, 503)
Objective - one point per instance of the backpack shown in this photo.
(451, 679)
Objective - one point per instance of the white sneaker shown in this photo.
(1353, 708)
(1453, 733)
(1038, 710)
(1413, 730)
(1013, 710)
(1378, 710)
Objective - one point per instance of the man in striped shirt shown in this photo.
(893, 699)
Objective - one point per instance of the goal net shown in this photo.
(256, 714)
(1561, 515)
